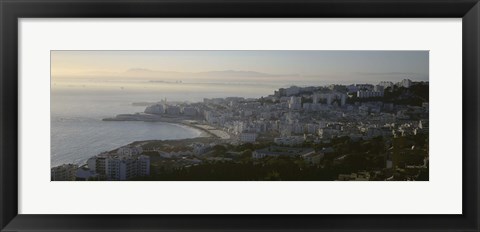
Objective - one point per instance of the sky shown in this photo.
(340, 66)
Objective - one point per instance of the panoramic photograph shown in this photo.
(239, 115)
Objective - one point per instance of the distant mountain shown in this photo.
(145, 74)
(235, 73)
(142, 73)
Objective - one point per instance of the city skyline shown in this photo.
(240, 116)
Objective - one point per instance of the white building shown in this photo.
(85, 174)
(316, 98)
(328, 133)
(329, 98)
(124, 164)
(246, 113)
(155, 109)
(295, 103)
(92, 163)
(120, 167)
(367, 87)
(211, 117)
(129, 150)
(363, 110)
(97, 163)
(386, 84)
(307, 106)
(293, 90)
(352, 89)
(65, 172)
(190, 111)
(248, 137)
(369, 94)
(143, 165)
(173, 110)
(422, 127)
(316, 107)
(343, 99)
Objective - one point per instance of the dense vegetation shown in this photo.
(348, 157)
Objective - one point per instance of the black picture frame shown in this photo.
(12, 10)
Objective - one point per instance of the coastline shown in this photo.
(206, 130)
(196, 131)
(203, 133)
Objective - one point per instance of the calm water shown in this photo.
(77, 129)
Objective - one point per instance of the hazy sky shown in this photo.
(342, 65)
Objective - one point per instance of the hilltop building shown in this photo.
(65, 172)
(125, 164)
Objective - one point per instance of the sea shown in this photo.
(77, 110)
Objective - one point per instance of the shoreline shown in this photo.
(206, 130)
(142, 142)
(203, 132)
(185, 123)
